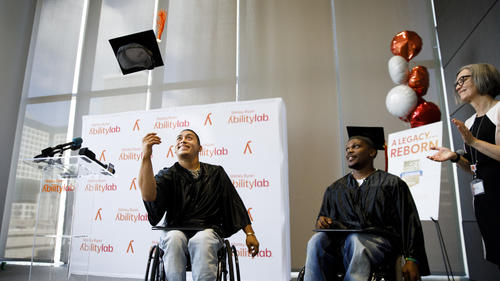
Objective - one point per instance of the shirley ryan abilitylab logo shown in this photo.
(57, 186)
(131, 154)
(96, 246)
(130, 215)
(104, 129)
(98, 215)
(242, 250)
(249, 182)
(211, 150)
(100, 186)
(136, 125)
(133, 184)
(170, 122)
(247, 117)
(130, 247)
(250, 214)
(208, 120)
(248, 149)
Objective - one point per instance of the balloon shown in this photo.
(419, 80)
(406, 44)
(398, 69)
(405, 119)
(425, 113)
(401, 101)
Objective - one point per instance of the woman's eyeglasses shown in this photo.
(461, 80)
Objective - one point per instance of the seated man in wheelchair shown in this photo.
(367, 218)
(200, 200)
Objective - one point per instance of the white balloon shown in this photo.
(401, 101)
(398, 69)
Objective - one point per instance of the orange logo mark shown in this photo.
(247, 147)
(132, 185)
(208, 119)
(136, 125)
(170, 152)
(130, 247)
(249, 214)
(98, 215)
(102, 158)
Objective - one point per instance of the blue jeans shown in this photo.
(202, 249)
(359, 252)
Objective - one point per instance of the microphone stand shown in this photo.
(446, 260)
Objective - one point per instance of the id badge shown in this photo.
(477, 187)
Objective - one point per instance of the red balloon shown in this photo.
(425, 113)
(406, 44)
(405, 119)
(418, 80)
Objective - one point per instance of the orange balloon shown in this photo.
(418, 80)
(406, 44)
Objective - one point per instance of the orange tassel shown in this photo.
(160, 22)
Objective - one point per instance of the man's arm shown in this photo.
(411, 234)
(147, 183)
(252, 243)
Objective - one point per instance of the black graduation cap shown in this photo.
(374, 134)
(136, 52)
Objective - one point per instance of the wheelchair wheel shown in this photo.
(229, 260)
(300, 277)
(150, 257)
(155, 262)
(236, 262)
(221, 264)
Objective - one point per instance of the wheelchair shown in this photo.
(385, 272)
(227, 262)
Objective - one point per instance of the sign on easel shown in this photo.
(407, 153)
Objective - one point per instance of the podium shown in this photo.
(62, 179)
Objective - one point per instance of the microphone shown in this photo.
(91, 155)
(75, 144)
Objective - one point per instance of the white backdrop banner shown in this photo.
(407, 151)
(247, 138)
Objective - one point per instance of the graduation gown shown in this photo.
(382, 205)
(210, 201)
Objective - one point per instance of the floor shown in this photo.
(12, 272)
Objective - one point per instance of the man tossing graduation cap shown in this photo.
(367, 218)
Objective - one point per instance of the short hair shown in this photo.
(486, 78)
(197, 137)
(367, 141)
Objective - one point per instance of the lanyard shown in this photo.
(473, 166)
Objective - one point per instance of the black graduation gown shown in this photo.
(210, 201)
(382, 205)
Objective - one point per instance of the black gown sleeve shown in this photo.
(235, 213)
(411, 229)
(326, 207)
(156, 209)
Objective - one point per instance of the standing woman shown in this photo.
(478, 85)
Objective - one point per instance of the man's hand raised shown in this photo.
(147, 144)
